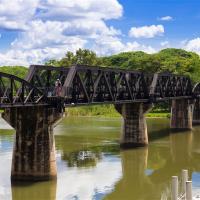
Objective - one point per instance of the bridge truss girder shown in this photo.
(83, 85)
(15, 91)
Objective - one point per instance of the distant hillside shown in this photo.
(19, 71)
(172, 60)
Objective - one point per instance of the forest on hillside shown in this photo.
(172, 60)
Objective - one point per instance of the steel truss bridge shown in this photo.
(87, 85)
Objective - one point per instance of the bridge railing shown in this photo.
(17, 92)
(196, 90)
(96, 84)
(44, 77)
(169, 86)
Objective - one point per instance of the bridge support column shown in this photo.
(181, 114)
(34, 148)
(134, 130)
(196, 113)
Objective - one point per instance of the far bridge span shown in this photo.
(33, 110)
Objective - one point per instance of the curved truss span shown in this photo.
(15, 91)
(196, 90)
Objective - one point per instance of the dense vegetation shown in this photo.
(177, 61)
(172, 60)
(19, 71)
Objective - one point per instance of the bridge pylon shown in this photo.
(134, 130)
(34, 148)
(181, 114)
(196, 113)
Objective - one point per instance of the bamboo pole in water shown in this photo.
(174, 187)
(188, 190)
(184, 179)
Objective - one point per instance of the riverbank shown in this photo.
(108, 111)
(149, 115)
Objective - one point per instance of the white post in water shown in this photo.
(184, 179)
(188, 190)
(174, 187)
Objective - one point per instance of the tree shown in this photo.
(68, 60)
(19, 71)
(176, 61)
(52, 62)
(85, 57)
(81, 57)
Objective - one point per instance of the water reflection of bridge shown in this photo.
(146, 171)
(33, 107)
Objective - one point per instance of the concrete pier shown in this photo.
(181, 114)
(34, 148)
(134, 130)
(196, 113)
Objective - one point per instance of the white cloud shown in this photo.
(103, 45)
(45, 34)
(112, 45)
(49, 28)
(193, 45)
(165, 44)
(90, 181)
(183, 42)
(146, 31)
(39, 55)
(135, 46)
(91, 29)
(166, 18)
(62, 9)
(15, 14)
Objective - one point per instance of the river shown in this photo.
(91, 166)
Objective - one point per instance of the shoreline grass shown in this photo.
(108, 113)
(105, 113)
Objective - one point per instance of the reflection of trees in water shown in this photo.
(6, 135)
(88, 157)
(147, 172)
(166, 193)
(6, 140)
(82, 158)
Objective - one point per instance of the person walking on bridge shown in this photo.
(59, 99)
(58, 87)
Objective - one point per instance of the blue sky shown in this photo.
(185, 14)
(33, 31)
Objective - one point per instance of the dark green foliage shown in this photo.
(81, 57)
(177, 61)
(15, 70)
(52, 62)
(181, 62)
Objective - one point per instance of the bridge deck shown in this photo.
(84, 85)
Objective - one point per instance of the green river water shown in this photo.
(91, 166)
